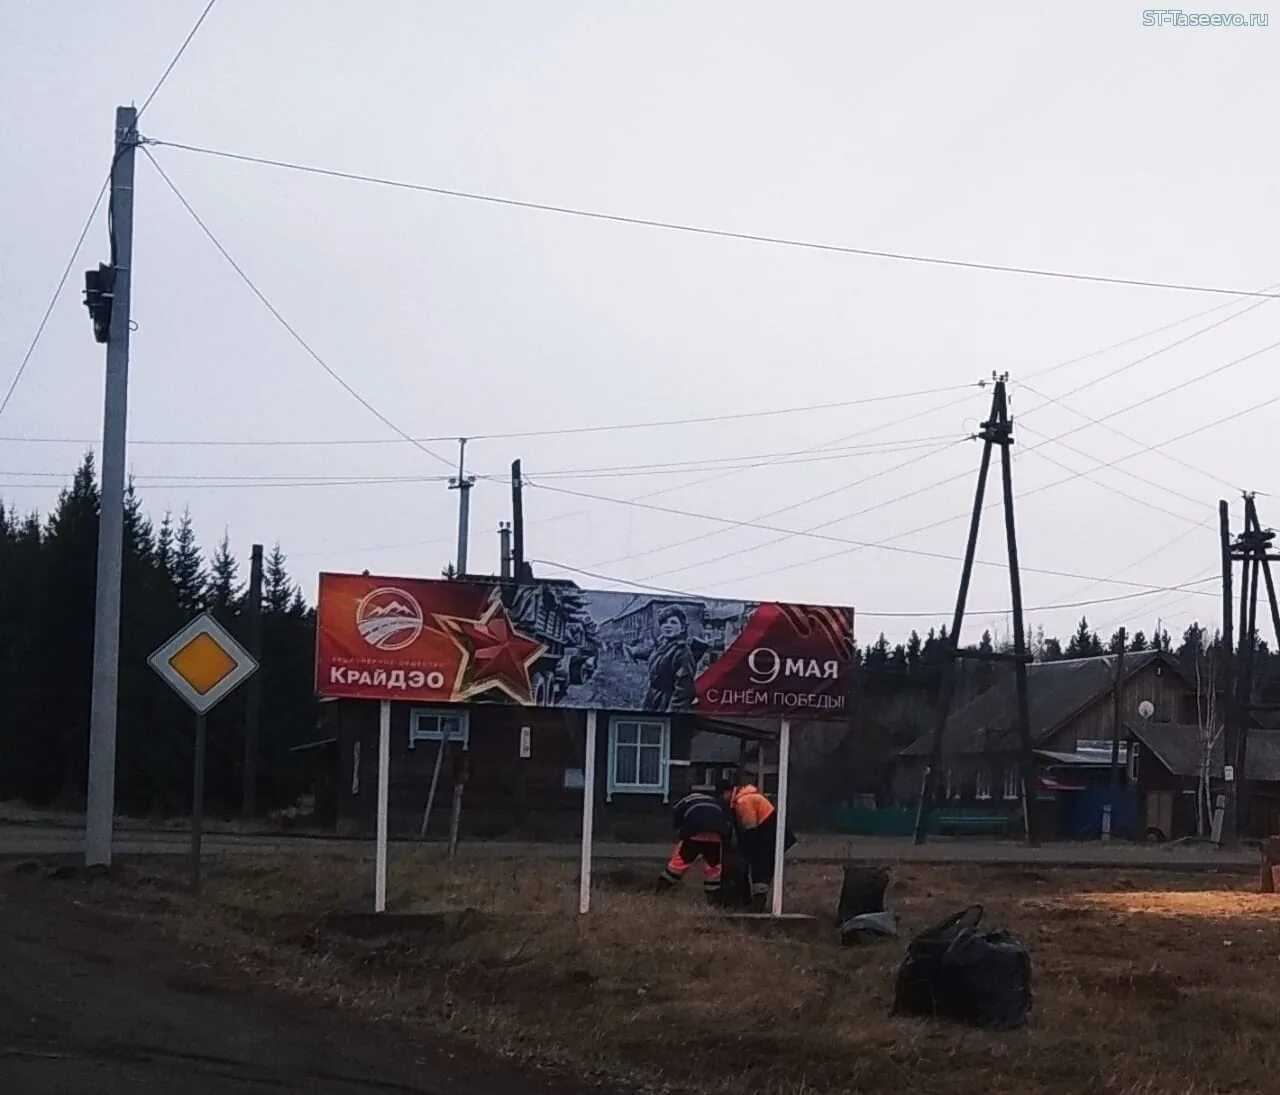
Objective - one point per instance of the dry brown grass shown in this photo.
(1144, 982)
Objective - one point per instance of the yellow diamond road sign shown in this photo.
(202, 663)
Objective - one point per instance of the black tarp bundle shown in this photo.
(956, 971)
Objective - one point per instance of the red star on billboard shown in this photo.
(495, 654)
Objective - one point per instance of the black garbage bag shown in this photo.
(735, 882)
(955, 971)
(862, 891)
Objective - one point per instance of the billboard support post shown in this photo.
(588, 814)
(384, 778)
(780, 837)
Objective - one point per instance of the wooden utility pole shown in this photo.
(1117, 714)
(517, 522)
(996, 431)
(1231, 715)
(253, 697)
(1254, 548)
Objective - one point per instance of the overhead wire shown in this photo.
(1186, 464)
(176, 57)
(700, 230)
(311, 352)
(887, 541)
(84, 232)
(1113, 373)
(57, 292)
(1077, 474)
(920, 552)
(943, 615)
(1130, 340)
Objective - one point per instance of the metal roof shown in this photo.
(1178, 747)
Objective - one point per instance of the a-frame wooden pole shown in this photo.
(947, 685)
(1005, 441)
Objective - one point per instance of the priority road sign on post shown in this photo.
(203, 663)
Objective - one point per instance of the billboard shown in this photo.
(551, 644)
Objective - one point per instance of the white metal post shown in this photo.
(588, 814)
(780, 838)
(384, 780)
(100, 808)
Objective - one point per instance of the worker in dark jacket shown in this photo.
(703, 826)
(672, 663)
(755, 821)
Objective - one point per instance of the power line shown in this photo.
(236, 442)
(1153, 354)
(1166, 604)
(1127, 437)
(176, 57)
(824, 536)
(992, 505)
(812, 528)
(1146, 334)
(57, 292)
(942, 614)
(621, 471)
(285, 323)
(1058, 438)
(1165, 546)
(686, 541)
(1037, 451)
(674, 226)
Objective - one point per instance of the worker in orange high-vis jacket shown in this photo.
(756, 822)
(703, 826)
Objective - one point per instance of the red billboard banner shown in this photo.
(551, 644)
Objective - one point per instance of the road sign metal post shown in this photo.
(197, 802)
(203, 663)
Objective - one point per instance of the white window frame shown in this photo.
(952, 785)
(663, 786)
(982, 783)
(1012, 783)
(417, 733)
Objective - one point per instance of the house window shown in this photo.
(1188, 709)
(428, 724)
(982, 784)
(639, 756)
(1133, 762)
(1012, 782)
(952, 785)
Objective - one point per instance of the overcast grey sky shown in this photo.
(1030, 135)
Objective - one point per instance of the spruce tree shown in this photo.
(224, 589)
(164, 546)
(190, 580)
(1085, 642)
(278, 591)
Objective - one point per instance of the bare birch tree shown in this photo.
(1209, 727)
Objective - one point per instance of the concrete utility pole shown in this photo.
(462, 483)
(100, 809)
(253, 699)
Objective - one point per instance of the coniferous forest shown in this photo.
(47, 579)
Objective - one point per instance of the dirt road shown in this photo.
(99, 1007)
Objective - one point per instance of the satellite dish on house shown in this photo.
(1146, 709)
